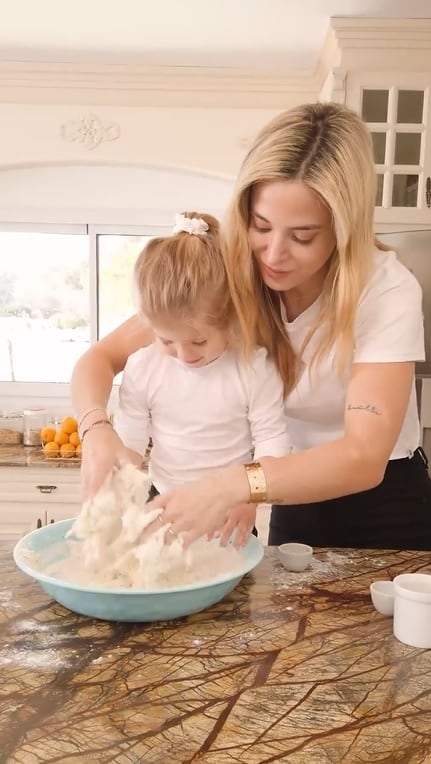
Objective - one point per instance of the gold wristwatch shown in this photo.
(257, 482)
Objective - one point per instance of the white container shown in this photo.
(412, 609)
(11, 426)
(34, 422)
(295, 556)
(382, 596)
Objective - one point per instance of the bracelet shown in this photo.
(86, 414)
(98, 423)
(257, 482)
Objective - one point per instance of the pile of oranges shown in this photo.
(61, 441)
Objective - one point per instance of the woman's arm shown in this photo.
(91, 386)
(376, 404)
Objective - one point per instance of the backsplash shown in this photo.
(57, 402)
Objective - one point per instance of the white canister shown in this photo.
(412, 609)
(34, 422)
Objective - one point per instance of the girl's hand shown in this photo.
(102, 450)
(240, 520)
(201, 508)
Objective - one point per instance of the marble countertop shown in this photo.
(32, 456)
(290, 667)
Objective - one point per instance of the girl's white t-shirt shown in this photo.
(389, 328)
(200, 418)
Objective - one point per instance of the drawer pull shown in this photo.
(46, 488)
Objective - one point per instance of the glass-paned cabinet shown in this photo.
(396, 109)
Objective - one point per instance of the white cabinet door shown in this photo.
(56, 512)
(17, 519)
(32, 497)
(397, 108)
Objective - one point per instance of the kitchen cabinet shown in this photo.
(18, 518)
(381, 68)
(397, 109)
(30, 498)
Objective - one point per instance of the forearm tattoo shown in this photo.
(364, 407)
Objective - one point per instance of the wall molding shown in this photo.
(183, 86)
(382, 33)
(24, 82)
(363, 43)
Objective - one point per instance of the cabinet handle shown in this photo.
(428, 192)
(46, 488)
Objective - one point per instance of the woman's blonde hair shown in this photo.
(327, 147)
(183, 275)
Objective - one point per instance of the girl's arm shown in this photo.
(266, 413)
(91, 386)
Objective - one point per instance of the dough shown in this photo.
(106, 547)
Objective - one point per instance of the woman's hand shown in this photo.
(240, 521)
(102, 450)
(202, 507)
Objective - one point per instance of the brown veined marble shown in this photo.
(291, 667)
(32, 456)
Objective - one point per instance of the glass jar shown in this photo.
(34, 422)
(11, 426)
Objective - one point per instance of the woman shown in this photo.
(342, 320)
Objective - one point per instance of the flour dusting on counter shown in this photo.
(105, 548)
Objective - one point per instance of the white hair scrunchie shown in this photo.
(194, 226)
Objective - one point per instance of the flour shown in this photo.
(332, 567)
(107, 546)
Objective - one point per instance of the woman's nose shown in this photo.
(275, 250)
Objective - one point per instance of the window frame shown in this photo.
(51, 393)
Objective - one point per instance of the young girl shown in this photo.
(202, 405)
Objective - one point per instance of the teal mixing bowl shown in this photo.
(131, 605)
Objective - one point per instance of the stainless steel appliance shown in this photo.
(414, 250)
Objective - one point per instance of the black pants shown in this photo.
(394, 515)
(153, 492)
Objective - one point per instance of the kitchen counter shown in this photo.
(32, 456)
(290, 667)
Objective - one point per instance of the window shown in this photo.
(116, 255)
(59, 291)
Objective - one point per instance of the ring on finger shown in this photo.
(159, 518)
(171, 531)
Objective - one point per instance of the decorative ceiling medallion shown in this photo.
(90, 131)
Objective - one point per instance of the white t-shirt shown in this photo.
(200, 418)
(389, 328)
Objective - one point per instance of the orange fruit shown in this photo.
(78, 450)
(61, 437)
(51, 449)
(47, 434)
(69, 425)
(74, 439)
(67, 450)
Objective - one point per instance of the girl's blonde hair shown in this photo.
(184, 276)
(327, 147)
